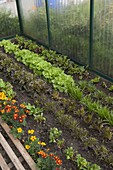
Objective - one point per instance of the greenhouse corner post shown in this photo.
(48, 23)
(19, 16)
(91, 34)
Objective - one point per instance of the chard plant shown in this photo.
(37, 112)
(69, 153)
(95, 80)
(84, 165)
(54, 135)
(107, 133)
(104, 85)
(110, 88)
(60, 143)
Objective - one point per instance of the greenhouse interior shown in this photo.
(56, 84)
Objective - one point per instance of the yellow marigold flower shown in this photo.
(42, 143)
(2, 111)
(27, 147)
(2, 96)
(31, 131)
(39, 143)
(33, 138)
(23, 106)
(13, 101)
(19, 130)
(4, 103)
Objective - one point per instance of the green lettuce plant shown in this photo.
(54, 134)
(84, 165)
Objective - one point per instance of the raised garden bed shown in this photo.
(78, 106)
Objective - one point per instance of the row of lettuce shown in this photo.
(61, 61)
(84, 80)
(15, 115)
(56, 76)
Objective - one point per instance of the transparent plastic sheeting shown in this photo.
(9, 24)
(69, 25)
(34, 19)
(69, 28)
(103, 37)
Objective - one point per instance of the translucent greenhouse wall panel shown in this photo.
(34, 19)
(69, 25)
(9, 24)
(103, 37)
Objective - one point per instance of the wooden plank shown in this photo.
(10, 165)
(21, 159)
(10, 153)
(19, 146)
(3, 164)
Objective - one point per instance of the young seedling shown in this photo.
(95, 80)
(60, 143)
(110, 88)
(54, 135)
(69, 153)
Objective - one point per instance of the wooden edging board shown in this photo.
(19, 146)
(10, 153)
(3, 164)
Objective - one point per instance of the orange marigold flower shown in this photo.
(21, 120)
(43, 154)
(51, 155)
(7, 106)
(8, 110)
(59, 162)
(16, 110)
(27, 111)
(16, 114)
(14, 107)
(23, 106)
(56, 158)
(23, 116)
(15, 118)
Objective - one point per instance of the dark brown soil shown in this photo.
(42, 130)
